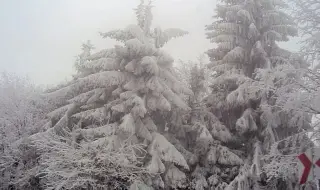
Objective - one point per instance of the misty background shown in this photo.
(40, 38)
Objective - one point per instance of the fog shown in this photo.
(41, 38)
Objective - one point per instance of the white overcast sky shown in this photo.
(41, 38)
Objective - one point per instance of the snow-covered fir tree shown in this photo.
(198, 134)
(249, 67)
(104, 133)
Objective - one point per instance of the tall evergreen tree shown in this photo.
(249, 67)
(198, 134)
(104, 133)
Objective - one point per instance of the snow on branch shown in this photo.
(107, 64)
(162, 37)
(92, 116)
(223, 155)
(92, 134)
(236, 55)
(119, 35)
(175, 178)
(69, 166)
(246, 123)
(166, 151)
(103, 79)
(106, 53)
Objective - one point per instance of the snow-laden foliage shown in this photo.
(249, 70)
(163, 149)
(222, 155)
(281, 163)
(104, 126)
(100, 162)
(305, 100)
(301, 97)
(175, 178)
(20, 107)
(22, 110)
(245, 180)
(139, 185)
(307, 14)
(198, 132)
(129, 120)
(195, 75)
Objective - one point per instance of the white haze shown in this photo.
(41, 38)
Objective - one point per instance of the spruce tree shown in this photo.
(103, 133)
(248, 68)
(198, 134)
